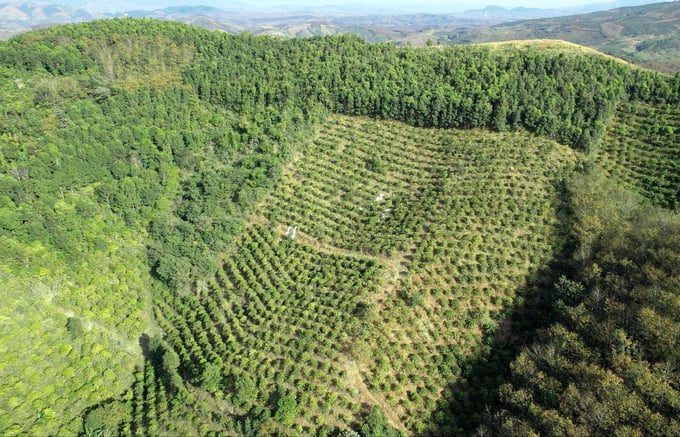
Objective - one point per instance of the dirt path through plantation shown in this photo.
(365, 395)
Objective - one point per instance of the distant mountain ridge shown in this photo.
(17, 17)
(38, 13)
(238, 17)
(645, 35)
(20, 17)
(518, 13)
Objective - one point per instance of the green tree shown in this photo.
(211, 378)
(286, 410)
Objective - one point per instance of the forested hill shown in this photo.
(133, 153)
(258, 91)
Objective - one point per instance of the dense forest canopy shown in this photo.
(274, 85)
(133, 153)
(607, 365)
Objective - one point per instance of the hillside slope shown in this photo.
(349, 264)
(149, 171)
(644, 35)
(606, 363)
(642, 149)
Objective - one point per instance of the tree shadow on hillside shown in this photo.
(472, 400)
(469, 401)
(145, 345)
